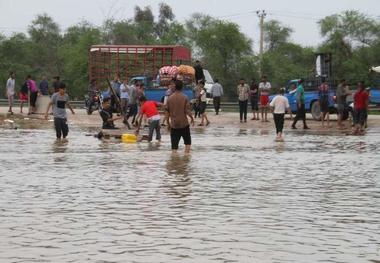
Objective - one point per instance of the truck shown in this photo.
(141, 62)
(375, 86)
(311, 85)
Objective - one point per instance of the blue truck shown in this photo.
(154, 92)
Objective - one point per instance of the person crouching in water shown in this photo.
(59, 101)
(149, 109)
(279, 105)
(106, 114)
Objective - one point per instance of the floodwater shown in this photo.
(239, 197)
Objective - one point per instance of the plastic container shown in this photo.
(128, 138)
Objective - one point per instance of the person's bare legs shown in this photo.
(266, 113)
(328, 119)
(21, 106)
(187, 149)
(205, 116)
(262, 113)
(323, 119)
(340, 121)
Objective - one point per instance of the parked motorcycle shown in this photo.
(93, 103)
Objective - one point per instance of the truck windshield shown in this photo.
(208, 76)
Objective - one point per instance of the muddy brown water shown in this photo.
(239, 197)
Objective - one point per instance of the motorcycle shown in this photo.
(93, 103)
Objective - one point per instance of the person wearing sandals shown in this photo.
(203, 104)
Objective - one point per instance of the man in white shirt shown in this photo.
(279, 105)
(10, 91)
(216, 93)
(124, 101)
(264, 89)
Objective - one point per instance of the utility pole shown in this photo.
(261, 14)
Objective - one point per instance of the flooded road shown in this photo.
(239, 197)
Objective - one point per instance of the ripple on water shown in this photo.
(239, 197)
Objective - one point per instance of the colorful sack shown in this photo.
(186, 70)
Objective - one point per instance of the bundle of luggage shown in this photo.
(167, 73)
(186, 74)
(183, 72)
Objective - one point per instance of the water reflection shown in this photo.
(59, 147)
(178, 180)
(234, 199)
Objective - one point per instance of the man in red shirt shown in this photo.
(360, 107)
(149, 109)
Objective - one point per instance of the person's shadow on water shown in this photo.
(178, 180)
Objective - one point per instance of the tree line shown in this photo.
(352, 37)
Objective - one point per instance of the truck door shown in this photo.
(291, 95)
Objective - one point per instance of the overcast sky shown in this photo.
(301, 15)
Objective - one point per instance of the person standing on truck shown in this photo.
(279, 105)
(254, 94)
(199, 75)
(264, 88)
(216, 93)
(243, 94)
(301, 114)
(324, 102)
(341, 94)
(360, 107)
(177, 110)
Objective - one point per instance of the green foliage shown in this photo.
(74, 55)
(353, 39)
(223, 48)
(275, 34)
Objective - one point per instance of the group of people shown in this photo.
(256, 93)
(280, 104)
(135, 104)
(29, 91)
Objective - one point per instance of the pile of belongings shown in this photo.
(167, 73)
(186, 73)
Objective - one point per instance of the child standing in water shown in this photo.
(59, 101)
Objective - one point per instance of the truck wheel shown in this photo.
(315, 110)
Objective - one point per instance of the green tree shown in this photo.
(222, 48)
(353, 39)
(45, 34)
(74, 55)
(16, 55)
(275, 34)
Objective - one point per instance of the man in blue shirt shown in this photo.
(301, 114)
(44, 86)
